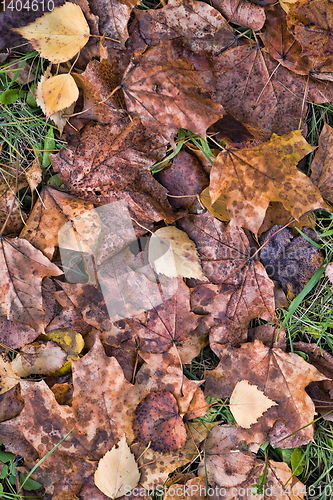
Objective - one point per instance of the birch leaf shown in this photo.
(59, 92)
(172, 253)
(58, 35)
(117, 470)
(248, 403)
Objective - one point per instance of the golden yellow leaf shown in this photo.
(59, 92)
(58, 35)
(8, 378)
(248, 403)
(218, 209)
(117, 472)
(172, 253)
(285, 4)
(71, 342)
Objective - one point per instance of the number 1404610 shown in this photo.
(34, 5)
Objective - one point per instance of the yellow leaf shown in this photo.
(218, 209)
(8, 378)
(248, 403)
(172, 253)
(59, 92)
(117, 472)
(285, 4)
(71, 342)
(58, 35)
(34, 175)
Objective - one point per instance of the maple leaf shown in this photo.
(233, 470)
(163, 87)
(202, 26)
(311, 22)
(258, 91)
(100, 388)
(58, 35)
(250, 178)
(22, 269)
(225, 256)
(112, 162)
(321, 166)
(243, 13)
(282, 377)
(117, 471)
(53, 210)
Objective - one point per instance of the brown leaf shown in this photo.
(34, 175)
(282, 377)
(157, 422)
(7, 202)
(244, 13)
(11, 404)
(281, 44)
(112, 162)
(198, 406)
(16, 335)
(39, 358)
(321, 167)
(202, 26)
(257, 91)
(163, 87)
(247, 291)
(250, 178)
(291, 261)
(51, 211)
(23, 268)
(312, 22)
(167, 324)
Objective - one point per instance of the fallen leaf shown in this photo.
(157, 422)
(173, 254)
(311, 23)
(117, 471)
(163, 87)
(247, 404)
(321, 166)
(194, 488)
(250, 178)
(34, 175)
(198, 406)
(218, 208)
(22, 269)
(282, 377)
(9, 202)
(285, 4)
(71, 342)
(43, 358)
(58, 35)
(291, 261)
(244, 292)
(8, 378)
(59, 92)
(241, 12)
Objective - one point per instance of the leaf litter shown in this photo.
(139, 278)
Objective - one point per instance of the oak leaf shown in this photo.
(22, 269)
(58, 35)
(117, 471)
(282, 377)
(247, 403)
(173, 254)
(250, 178)
(59, 92)
(163, 87)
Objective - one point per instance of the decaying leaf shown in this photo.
(157, 422)
(247, 403)
(43, 358)
(34, 175)
(163, 87)
(58, 35)
(117, 471)
(242, 12)
(173, 254)
(282, 377)
(250, 178)
(22, 270)
(322, 165)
